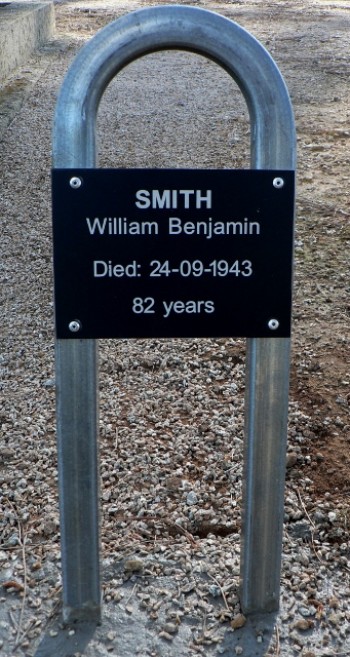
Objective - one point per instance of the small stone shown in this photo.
(296, 639)
(302, 624)
(49, 528)
(238, 621)
(333, 602)
(188, 587)
(238, 650)
(71, 632)
(319, 517)
(303, 558)
(166, 636)
(6, 454)
(335, 618)
(292, 459)
(332, 516)
(111, 635)
(53, 633)
(300, 529)
(129, 609)
(296, 515)
(49, 383)
(171, 628)
(133, 565)
(305, 611)
(191, 498)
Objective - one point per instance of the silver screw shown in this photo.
(273, 324)
(74, 326)
(75, 182)
(278, 183)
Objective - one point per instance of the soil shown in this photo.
(178, 109)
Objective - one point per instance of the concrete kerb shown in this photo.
(24, 26)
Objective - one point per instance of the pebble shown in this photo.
(133, 565)
(238, 621)
(333, 602)
(171, 628)
(13, 540)
(300, 529)
(335, 618)
(292, 459)
(191, 498)
(188, 587)
(303, 558)
(302, 624)
(319, 517)
(165, 635)
(305, 611)
(49, 383)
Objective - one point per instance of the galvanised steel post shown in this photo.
(272, 147)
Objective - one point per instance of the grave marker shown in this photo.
(272, 160)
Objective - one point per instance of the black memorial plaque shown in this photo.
(172, 253)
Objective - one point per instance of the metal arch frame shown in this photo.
(272, 147)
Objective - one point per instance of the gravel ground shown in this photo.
(172, 410)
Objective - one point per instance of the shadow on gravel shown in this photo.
(253, 639)
(63, 642)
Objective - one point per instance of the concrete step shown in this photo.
(24, 26)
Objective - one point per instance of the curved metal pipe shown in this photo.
(272, 147)
(181, 28)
